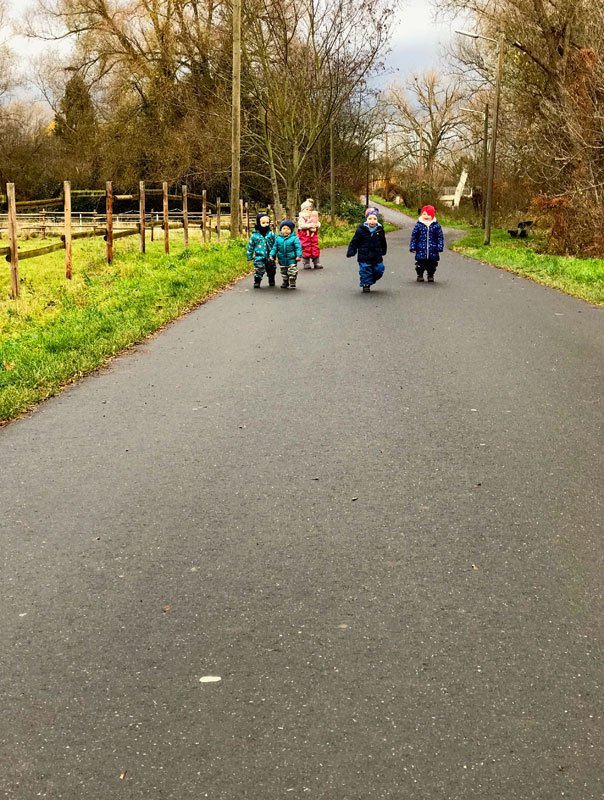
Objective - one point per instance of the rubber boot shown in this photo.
(315, 261)
(292, 282)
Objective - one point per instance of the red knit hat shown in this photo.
(430, 211)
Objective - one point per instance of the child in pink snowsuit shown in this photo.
(308, 225)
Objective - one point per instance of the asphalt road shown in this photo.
(376, 518)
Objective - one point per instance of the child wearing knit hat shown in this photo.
(369, 245)
(427, 242)
(287, 251)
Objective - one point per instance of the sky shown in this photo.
(417, 39)
(416, 42)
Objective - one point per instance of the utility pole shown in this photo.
(332, 186)
(485, 163)
(367, 192)
(420, 168)
(236, 121)
(491, 179)
(500, 42)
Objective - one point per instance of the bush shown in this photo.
(576, 225)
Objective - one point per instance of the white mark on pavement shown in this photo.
(210, 679)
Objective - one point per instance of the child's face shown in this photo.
(372, 220)
(264, 222)
(425, 216)
(286, 230)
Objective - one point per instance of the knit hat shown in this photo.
(258, 226)
(289, 224)
(308, 203)
(429, 210)
(371, 210)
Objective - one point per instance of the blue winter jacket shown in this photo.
(286, 249)
(259, 246)
(368, 245)
(427, 240)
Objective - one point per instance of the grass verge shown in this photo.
(583, 278)
(59, 330)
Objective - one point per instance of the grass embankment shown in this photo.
(59, 330)
(580, 277)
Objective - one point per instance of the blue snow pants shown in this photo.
(370, 273)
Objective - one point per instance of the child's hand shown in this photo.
(298, 258)
(413, 251)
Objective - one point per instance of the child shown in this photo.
(426, 243)
(369, 241)
(259, 250)
(288, 251)
(308, 225)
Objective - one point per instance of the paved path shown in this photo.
(288, 490)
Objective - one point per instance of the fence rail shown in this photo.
(110, 225)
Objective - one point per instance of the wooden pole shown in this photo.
(218, 219)
(236, 122)
(185, 215)
(141, 210)
(491, 177)
(152, 226)
(485, 164)
(43, 223)
(67, 201)
(240, 227)
(109, 230)
(166, 220)
(12, 239)
(204, 214)
(332, 178)
(247, 219)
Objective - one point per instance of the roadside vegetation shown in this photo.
(580, 277)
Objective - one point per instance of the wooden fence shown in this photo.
(111, 226)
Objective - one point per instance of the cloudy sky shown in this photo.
(416, 42)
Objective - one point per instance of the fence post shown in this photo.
(218, 219)
(43, 215)
(247, 219)
(12, 239)
(240, 231)
(109, 228)
(152, 226)
(141, 208)
(204, 214)
(185, 215)
(166, 220)
(210, 227)
(67, 231)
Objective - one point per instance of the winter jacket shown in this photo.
(308, 220)
(286, 249)
(369, 246)
(427, 240)
(259, 246)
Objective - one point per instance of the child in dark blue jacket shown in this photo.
(427, 243)
(369, 242)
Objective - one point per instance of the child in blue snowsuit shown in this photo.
(288, 251)
(427, 243)
(259, 250)
(369, 245)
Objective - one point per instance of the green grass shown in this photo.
(583, 278)
(59, 330)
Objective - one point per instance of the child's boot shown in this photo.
(292, 282)
(306, 263)
(315, 261)
(257, 281)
